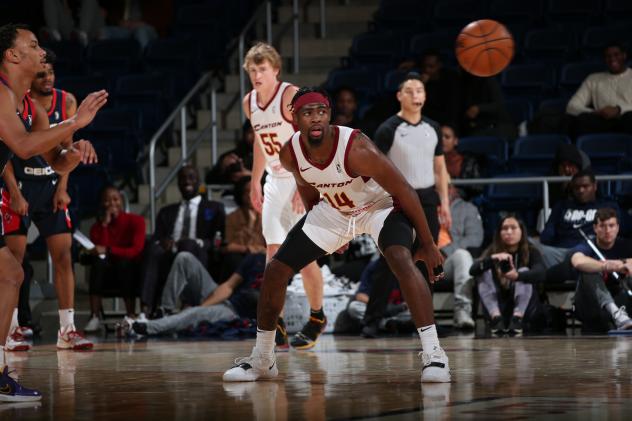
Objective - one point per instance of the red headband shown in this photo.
(310, 98)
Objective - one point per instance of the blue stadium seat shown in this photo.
(87, 181)
(595, 39)
(525, 200)
(554, 104)
(441, 39)
(520, 109)
(458, 12)
(362, 80)
(618, 10)
(573, 74)
(515, 11)
(550, 45)
(528, 80)
(534, 153)
(608, 152)
(81, 86)
(573, 10)
(492, 150)
(113, 56)
(376, 47)
(401, 14)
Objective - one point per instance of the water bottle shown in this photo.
(217, 240)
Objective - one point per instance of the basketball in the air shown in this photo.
(484, 47)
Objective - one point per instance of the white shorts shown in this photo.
(277, 217)
(329, 229)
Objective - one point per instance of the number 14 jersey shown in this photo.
(273, 129)
(349, 195)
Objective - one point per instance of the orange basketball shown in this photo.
(484, 47)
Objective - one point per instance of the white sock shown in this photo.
(611, 307)
(429, 338)
(265, 342)
(14, 321)
(66, 319)
(2, 362)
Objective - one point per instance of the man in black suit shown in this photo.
(190, 225)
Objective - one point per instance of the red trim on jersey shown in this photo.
(293, 153)
(331, 155)
(53, 103)
(347, 149)
(276, 91)
(283, 107)
(63, 105)
(28, 106)
(248, 98)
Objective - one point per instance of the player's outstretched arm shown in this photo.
(365, 159)
(28, 144)
(309, 195)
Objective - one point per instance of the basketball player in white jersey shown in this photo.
(267, 108)
(363, 193)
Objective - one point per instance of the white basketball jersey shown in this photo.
(349, 195)
(272, 127)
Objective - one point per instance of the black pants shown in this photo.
(593, 123)
(24, 308)
(114, 276)
(156, 265)
(384, 281)
(590, 297)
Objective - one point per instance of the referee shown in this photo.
(413, 143)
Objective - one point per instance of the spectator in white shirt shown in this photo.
(603, 103)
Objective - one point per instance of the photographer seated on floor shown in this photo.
(505, 276)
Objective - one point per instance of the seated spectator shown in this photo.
(119, 239)
(560, 231)
(505, 276)
(244, 234)
(191, 225)
(442, 84)
(460, 165)
(81, 20)
(603, 102)
(465, 234)
(190, 282)
(346, 106)
(396, 318)
(483, 111)
(235, 163)
(600, 299)
(568, 161)
(125, 19)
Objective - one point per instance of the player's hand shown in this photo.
(297, 203)
(167, 244)
(86, 151)
(432, 257)
(445, 217)
(472, 112)
(342, 249)
(609, 112)
(89, 107)
(256, 196)
(61, 200)
(19, 205)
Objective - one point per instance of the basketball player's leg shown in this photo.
(11, 276)
(395, 240)
(295, 253)
(56, 227)
(16, 243)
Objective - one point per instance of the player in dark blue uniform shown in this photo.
(26, 135)
(38, 194)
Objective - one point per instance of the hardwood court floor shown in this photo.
(557, 378)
